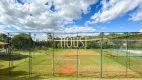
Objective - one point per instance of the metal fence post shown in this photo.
(12, 58)
(127, 54)
(9, 70)
(129, 59)
(101, 51)
(77, 57)
(30, 65)
(85, 42)
(53, 56)
(117, 48)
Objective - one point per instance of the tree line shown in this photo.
(111, 40)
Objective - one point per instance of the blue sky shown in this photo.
(71, 15)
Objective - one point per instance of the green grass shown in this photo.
(61, 78)
(113, 67)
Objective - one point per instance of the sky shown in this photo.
(70, 16)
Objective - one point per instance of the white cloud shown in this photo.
(66, 32)
(73, 29)
(3, 28)
(113, 9)
(72, 9)
(103, 28)
(136, 16)
(140, 30)
(34, 15)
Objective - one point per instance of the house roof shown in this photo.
(3, 43)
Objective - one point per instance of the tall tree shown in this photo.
(101, 34)
(22, 41)
(3, 37)
(112, 35)
(49, 36)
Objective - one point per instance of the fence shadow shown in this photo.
(14, 56)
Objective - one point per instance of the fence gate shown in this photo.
(65, 59)
(89, 54)
(75, 55)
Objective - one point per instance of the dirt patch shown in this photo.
(74, 52)
(88, 53)
(68, 69)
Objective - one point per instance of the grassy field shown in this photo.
(65, 65)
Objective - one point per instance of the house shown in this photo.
(3, 43)
(3, 51)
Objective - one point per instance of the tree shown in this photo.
(113, 35)
(3, 37)
(49, 36)
(139, 44)
(21, 41)
(101, 34)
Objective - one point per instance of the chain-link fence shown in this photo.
(93, 54)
